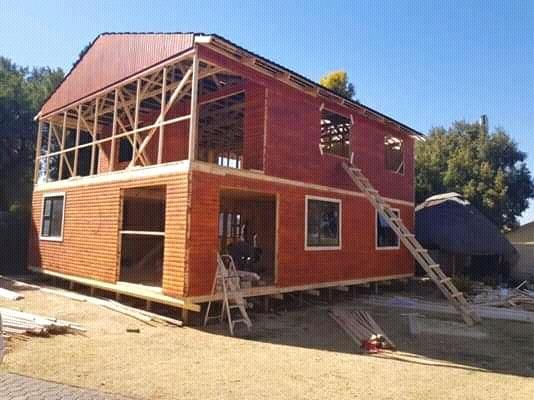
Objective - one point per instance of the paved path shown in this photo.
(17, 387)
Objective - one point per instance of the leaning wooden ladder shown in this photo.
(433, 270)
(227, 279)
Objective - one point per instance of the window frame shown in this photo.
(377, 247)
(328, 153)
(52, 238)
(340, 223)
(403, 163)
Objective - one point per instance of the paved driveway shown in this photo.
(17, 387)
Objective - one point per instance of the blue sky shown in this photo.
(424, 63)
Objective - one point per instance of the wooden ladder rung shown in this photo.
(457, 294)
(445, 280)
(433, 266)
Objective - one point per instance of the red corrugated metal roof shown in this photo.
(111, 58)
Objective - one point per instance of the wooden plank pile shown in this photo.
(17, 323)
(10, 295)
(488, 312)
(363, 329)
(518, 297)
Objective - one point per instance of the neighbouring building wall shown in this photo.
(357, 258)
(90, 244)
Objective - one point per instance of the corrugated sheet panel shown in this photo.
(112, 58)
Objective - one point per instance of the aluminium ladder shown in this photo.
(421, 255)
(227, 280)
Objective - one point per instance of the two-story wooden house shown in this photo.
(159, 150)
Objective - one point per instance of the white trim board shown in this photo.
(185, 166)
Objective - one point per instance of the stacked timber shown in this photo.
(17, 323)
(362, 328)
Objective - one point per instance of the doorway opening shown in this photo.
(142, 235)
(247, 231)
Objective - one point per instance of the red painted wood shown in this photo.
(358, 257)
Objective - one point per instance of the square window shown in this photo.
(385, 236)
(336, 131)
(394, 154)
(323, 224)
(52, 219)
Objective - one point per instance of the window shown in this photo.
(323, 224)
(125, 150)
(52, 219)
(336, 132)
(394, 154)
(386, 238)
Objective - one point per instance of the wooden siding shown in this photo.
(358, 257)
(292, 137)
(91, 232)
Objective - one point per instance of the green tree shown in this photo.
(22, 92)
(338, 81)
(488, 169)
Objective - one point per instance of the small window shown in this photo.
(125, 150)
(336, 131)
(52, 220)
(323, 224)
(394, 154)
(386, 238)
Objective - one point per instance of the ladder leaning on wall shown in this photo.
(421, 255)
(227, 281)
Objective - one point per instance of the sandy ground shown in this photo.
(292, 353)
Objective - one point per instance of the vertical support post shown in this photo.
(113, 132)
(76, 150)
(136, 121)
(62, 146)
(38, 152)
(163, 105)
(49, 146)
(193, 122)
(93, 145)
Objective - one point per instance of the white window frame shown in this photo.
(377, 247)
(52, 238)
(340, 223)
(403, 163)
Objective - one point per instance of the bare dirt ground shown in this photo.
(291, 353)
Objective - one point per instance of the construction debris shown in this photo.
(363, 329)
(443, 308)
(518, 297)
(10, 295)
(421, 325)
(17, 323)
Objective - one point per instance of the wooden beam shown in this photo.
(37, 165)
(193, 123)
(94, 137)
(76, 150)
(163, 102)
(47, 174)
(163, 113)
(113, 132)
(136, 122)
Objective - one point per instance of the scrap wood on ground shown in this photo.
(519, 297)
(363, 329)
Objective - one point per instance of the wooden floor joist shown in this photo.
(123, 289)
